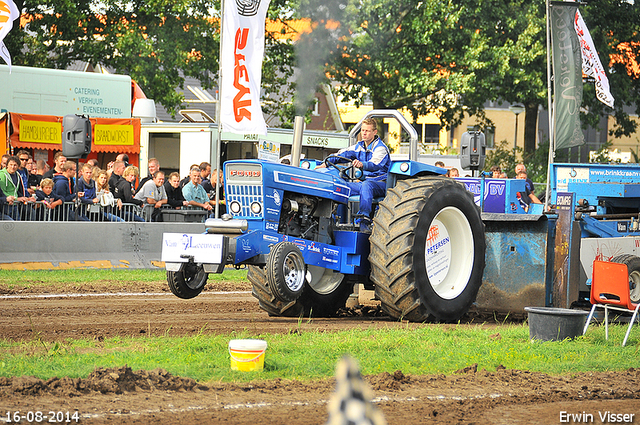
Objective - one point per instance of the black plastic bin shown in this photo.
(185, 216)
(555, 324)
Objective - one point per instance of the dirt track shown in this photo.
(155, 397)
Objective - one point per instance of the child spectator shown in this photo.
(48, 201)
(86, 189)
(63, 187)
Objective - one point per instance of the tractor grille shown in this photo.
(245, 194)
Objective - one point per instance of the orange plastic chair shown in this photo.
(610, 290)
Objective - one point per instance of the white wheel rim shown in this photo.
(449, 252)
(322, 280)
(293, 271)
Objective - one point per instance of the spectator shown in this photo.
(453, 172)
(58, 160)
(496, 171)
(41, 167)
(187, 179)
(12, 189)
(174, 191)
(124, 192)
(3, 202)
(519, 168)
(24, 158)
(205, 175)
(107, 201)
(116, 173)
(63, 187)
(439, 164)
(93, 162)
(46, 208)
(216, 179)
(124, 158)
(87, 192)
(153, 193)
(154, 165)
(503, 175)
(3, 161)
(34, 177)
(527, 197)
(193, 191)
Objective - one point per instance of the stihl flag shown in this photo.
(241, 66)
(591, 64)
(8, 13)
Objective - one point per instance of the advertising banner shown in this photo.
(241, 66)
(567, 76)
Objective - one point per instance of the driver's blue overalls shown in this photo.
(375, 165)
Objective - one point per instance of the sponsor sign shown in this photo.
(437, 253)
(204, 248)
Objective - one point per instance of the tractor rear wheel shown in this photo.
(188, 282)
(323, 293)
(427, 250)
(633, 265)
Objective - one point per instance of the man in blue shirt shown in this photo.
(371, 155)
(193, 191)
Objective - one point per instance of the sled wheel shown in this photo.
(188, 282)
(427, 250)
(633, 265)
(322, 296)
(286, 271)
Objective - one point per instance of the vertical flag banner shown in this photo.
(567, 76)
(8, 13)
(241, 66)
(591, 64)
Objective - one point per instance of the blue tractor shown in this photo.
(293, 228)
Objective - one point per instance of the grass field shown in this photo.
(427, 349)
(430, 349)
(28, 278)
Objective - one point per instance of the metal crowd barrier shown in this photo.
(71, 211)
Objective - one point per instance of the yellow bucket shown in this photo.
(247, 355)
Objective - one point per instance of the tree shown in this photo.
(451, 57)
(156, 43)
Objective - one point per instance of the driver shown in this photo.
(371, 155)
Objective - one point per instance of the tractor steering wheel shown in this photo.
(342, 169)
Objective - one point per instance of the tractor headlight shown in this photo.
(404, 167)
(256, 208)
(235, 207)
(305, 164)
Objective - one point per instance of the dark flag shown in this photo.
(567, 75)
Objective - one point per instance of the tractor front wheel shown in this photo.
(188, 282)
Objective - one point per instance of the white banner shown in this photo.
(241, 66)
(204, 248)
(591, 64)
(8, 13)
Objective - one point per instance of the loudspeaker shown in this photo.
(472, 150)
(76, 136)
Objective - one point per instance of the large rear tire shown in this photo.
(323, 294)
(633, 266)
(427, 250)
(188, 282)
